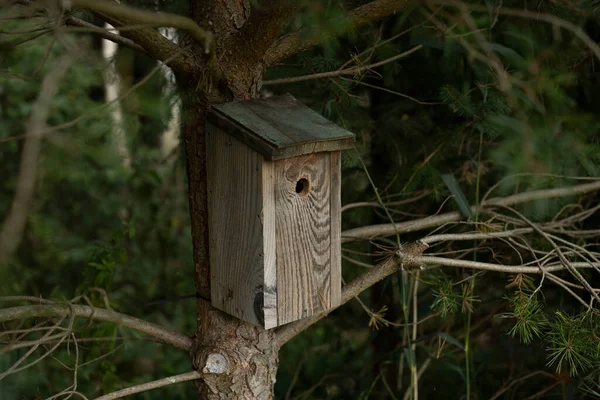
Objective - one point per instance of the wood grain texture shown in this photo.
(280, 127)
(335, 209)
(303, 233)
(269, 245)
(235, 192)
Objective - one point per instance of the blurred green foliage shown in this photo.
(97, 224)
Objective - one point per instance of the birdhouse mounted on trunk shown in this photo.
(273, 169)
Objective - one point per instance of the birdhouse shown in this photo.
(273, 171)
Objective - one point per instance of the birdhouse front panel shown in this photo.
(308, 262)
(239, 262)
(273, 177)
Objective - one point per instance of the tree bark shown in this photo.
(237, 360)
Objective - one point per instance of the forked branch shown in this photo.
(153, 19)
(410, 256)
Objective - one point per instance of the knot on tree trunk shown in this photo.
(238, 361)
(407, 254)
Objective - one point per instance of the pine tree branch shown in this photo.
(347, 71)
(263, 27)
(144, 387)
(155, 44)
(151, 18)
(409, 256)
(103, 33)
(304, 39)
(100, 314)
(371, 231)
(355, 287)
(412, 259)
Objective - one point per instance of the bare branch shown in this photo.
(510, 269)
(155, 44)
(367, 232)
(62, 310)
(262, 28)
(144, 387)
(154, 19)
(355, 287)
(348, 71)
(410, 256)
(305, 38)
(105, 34)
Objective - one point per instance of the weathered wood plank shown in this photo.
(335, 208)
(235, 205)
(303, 229)
(270, 244)
(280, 127)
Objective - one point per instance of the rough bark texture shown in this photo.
(237, 360)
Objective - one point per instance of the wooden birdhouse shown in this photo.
(273, 169)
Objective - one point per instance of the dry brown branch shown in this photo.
(265, 24)
(61, 310)
(561, 255)
(372, 231)
(154, 19)
(144, 387)
(305, 38)
(431, 262)
(15, 367)
(16, 219)
(348, 71)
(103, 33)
(383, 89)
(154, 44)
(355, 287)
(410, 256)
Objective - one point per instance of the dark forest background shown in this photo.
(433, 124)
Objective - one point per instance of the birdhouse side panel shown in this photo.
(303, 236)
(235, 205)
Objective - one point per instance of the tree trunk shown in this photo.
(238, 360)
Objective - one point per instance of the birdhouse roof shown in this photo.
(280, 127)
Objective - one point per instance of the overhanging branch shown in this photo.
(155, 19)
(74, 21)
(144, 387)
(410, 255)
(304, 39)
(155, 44)
(371, 231)
(262, 28)
(64, 310)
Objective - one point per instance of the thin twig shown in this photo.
(144, 387)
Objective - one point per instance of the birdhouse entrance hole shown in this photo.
(302, 186)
